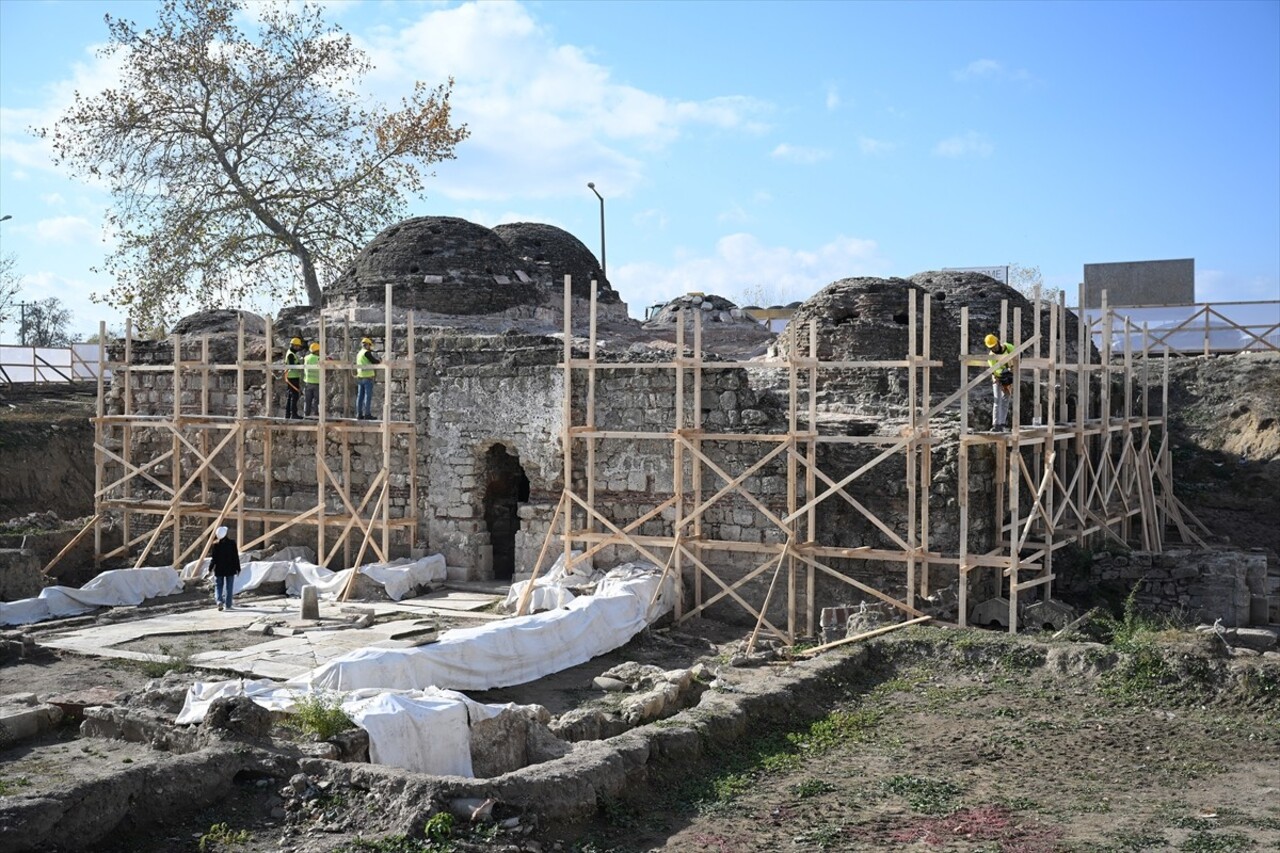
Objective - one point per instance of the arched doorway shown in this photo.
(506, 487)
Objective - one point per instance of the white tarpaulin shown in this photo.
(511, 651)
(401, 697)
(551, 588)
(109, 589)
(426, 731)
(398, 577)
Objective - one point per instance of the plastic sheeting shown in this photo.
(551, 588)
(426, 731)
(398, 578)
(109, 589)
(511, 651)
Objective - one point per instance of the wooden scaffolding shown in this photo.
(1098, 468)
(200, 481)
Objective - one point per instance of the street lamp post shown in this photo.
(604, 270)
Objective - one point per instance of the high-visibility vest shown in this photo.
(362, 359)
(311, 373)
(291, 358)
(991, 362)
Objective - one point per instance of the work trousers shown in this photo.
(999, 407)
(364, 398)
(312, 399)
(292, 391)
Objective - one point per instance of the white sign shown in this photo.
(1000, 274)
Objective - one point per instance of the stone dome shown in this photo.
(441, 264)
(549, 254)
(715, 309)
(868, 319)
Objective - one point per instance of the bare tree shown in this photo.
(1025, 280)
(10, 285)
(244, 163)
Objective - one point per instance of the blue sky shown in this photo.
(762, 150)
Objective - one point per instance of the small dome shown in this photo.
(868, 319)
(549, 254)
(441, 264)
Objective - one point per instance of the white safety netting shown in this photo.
(120, 587)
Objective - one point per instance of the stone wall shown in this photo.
(1203, 586)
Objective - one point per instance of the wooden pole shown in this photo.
(537, 566)
(864, 636)
(75, 540)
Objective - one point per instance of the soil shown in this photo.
(46, 449)
(946, 740)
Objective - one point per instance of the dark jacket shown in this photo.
(225, 558)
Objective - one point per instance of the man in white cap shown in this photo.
(225, 560)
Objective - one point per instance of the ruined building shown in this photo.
(846, 460)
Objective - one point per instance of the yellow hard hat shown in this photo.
(367, 341)
(991, 341)
(296, 342)
(315, 347)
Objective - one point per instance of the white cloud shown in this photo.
(800, 154)
(971, 144)
(979, 68)
(19, 145)
(543, 115)
(833, 97)
(53, 199)
(650, 220)
(72, 230)
(742, 264)
(734, 214)
(870, 146)
(990, 69)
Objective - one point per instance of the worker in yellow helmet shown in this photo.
(293, 379)
(365, 359)
(311, 381)
(1001, 381)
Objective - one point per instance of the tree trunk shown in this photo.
(309, 280)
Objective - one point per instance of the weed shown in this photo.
(319, 716)
(391, 844)
(170, 659)
(1208, 842)
(926, 796)
(812, 788)
(439, 827)
(1136, 841)
(11, 786)
(821, 837)
(220, 836)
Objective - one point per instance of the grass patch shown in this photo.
(319, 717)
(221, 836)
(925, 796)
(12, 786)
(1209, 842)
(812, 788)
(171, 658)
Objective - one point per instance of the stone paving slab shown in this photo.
(280, 657)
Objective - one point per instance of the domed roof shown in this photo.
(548, 251)
(867, 319)
(716, 309)
(441, 264)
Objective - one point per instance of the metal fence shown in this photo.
(48, 365)
(1204, 328)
